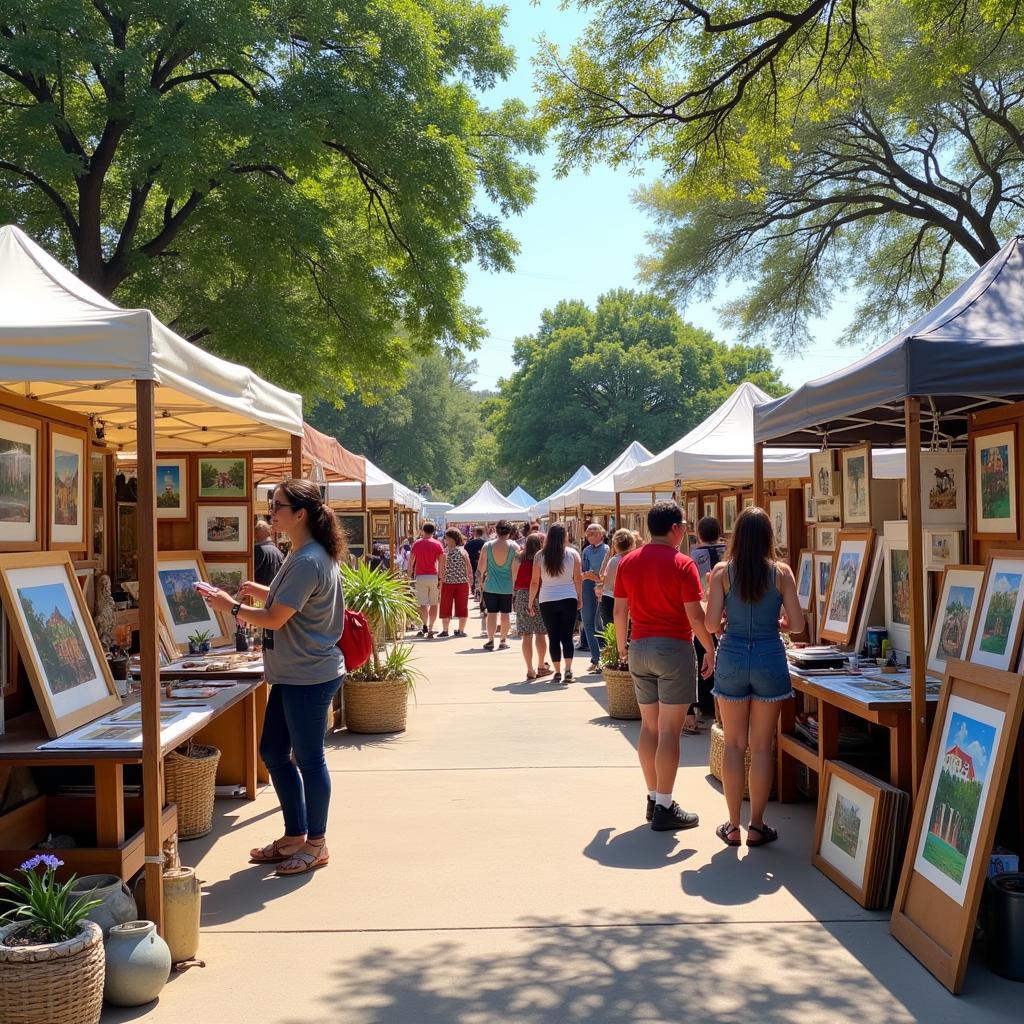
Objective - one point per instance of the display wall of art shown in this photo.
(222, 527)
(172, 497)
(955, 614)
(805, 579)
(182, 608)
(849, 569)
(857, 485)
(995, 639)
(995, 483)
(954, 824)
(223, 478)
(730, 504)
(944, 488)
(68, 472)
(57, 639)
(778, 512)
(20, 481)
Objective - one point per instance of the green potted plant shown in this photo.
(199, 641)
(51, 957)
(617, 680)
(377, 693)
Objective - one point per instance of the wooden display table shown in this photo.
(113, 820)
(889, 709)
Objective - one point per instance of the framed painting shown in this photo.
(380, 526)
(67, 473)
(57, 639)
(955, 816)
(944, 488)
(957, 608)
(809, 514)
(710, 508)
(826, 537)
(941, 548)
(824, 482)
(849, 569)
(748, 501)
(812, 538)
(996, 634)
(805, 579)
(778, 512)
(871, 585)
(20, 482)
(223, 478)
(896, 576)
(353, 525)
(182, 608)
(691, 513)
(222, 527)
(172, 488)
(730, 503)
(857, 485)
(995, 483)
(228, 576)
(822, 578)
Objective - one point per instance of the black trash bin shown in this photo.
(1004, 924)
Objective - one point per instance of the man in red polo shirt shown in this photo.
(423, 560)
(658, 588)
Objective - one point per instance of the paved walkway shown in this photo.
(492, 865)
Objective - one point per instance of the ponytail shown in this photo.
(323, 525)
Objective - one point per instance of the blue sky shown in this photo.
(582, 235)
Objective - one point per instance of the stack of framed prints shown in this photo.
(954, 824)
(955, 613)
(995, 638)
(182, 609)
(860, 833)
(849, 570)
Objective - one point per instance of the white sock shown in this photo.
(651, 794)
(663, 799)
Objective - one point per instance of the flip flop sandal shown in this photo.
(531, 676)
(308, 862)
(725, 830)
(503, 646)
(766, 832)
(274, 856)
(691, 730)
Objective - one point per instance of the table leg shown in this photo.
(900, 761)
(109, 779)
(828, 734)
(249, 739)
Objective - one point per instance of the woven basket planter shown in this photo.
(373, 707)
(621, 694)
(58, 983)
(718, 755)
(189, 782)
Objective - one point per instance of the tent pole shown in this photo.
(296, 457)
(392, 540)
(918, 724)
(618, 511)
(149, 659)
(759, 474)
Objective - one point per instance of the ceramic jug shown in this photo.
(138, 964)
(117, 904)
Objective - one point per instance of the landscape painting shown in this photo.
(228, 576)
(172, 489)
(222, 478)
(960, 782)
(843, 831)
(997, 630)
(18, 446)
(729, 504)
(184, 603)
(846, 585)
(823, 575)
(954, 616)
(67, 470)
(841, 599)
(57, 636)
(805, 579)
(995, 503)
(223, 528)
(899, 586)
(846, 825)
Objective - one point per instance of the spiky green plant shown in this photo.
(385, 599)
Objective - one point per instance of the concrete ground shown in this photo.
(492, 865)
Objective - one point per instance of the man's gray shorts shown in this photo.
(663, 670)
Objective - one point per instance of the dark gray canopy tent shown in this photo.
(963, 356)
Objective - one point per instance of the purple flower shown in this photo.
(48, 860)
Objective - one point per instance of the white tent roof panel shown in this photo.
(543, 507)
(599, 492)
(488, 505)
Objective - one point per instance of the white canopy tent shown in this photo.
(718, 452)
(488, 505)
(599, 492)
(379, 488)
(542, 508)
(521, 497)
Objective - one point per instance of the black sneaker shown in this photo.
(444, 632)
(650, 808)
(422, 631)
(672, 819)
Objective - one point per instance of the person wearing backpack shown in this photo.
(303, 617)
(706, 554)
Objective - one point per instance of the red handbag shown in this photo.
(356, 640)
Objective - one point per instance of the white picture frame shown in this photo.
(995, 460)
(805, 579)
(172, 495)
(822, 578)
(68, 471)
(852, 861)
(19, 456)
(826, 537)
(955, 614)
(778, 513)
(996, 633)
(941, 548)
(222, 528)
(944, 488)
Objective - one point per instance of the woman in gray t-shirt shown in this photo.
(302, 617)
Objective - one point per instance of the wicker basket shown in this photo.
(373, 707)
(718, 755)
(621, 693)
(189, 781)
(59, 983)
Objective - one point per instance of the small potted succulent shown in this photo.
(52, 961)
(199, 642)
(619, 683)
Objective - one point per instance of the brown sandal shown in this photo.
(270, 854)
(306, 861)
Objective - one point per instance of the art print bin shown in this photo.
(1004, 924)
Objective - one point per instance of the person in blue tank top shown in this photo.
(749, 592)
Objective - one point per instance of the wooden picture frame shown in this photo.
(941, 548)
(67, 467)
(810, 516)
(182, 609)
(57, 639)
(827, 537)
(857, 485)
(380, 526)
(896, 584)
(691, 514)
(223, 477)
(223, 528)
(778, 513)
(825, 483)
(228, 574)
(98, 487)
(353, 525)
(730, 512)
(805, 579)
(994, 458)
(850, 565)
(995, 638)
(710, 506)
(944, 488)
(955, 614)
(946, 863)
(822, 577)
(21, 485)
(172, 489)
(748, 501)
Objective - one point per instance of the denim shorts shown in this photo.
(664, 670)
(752, 669)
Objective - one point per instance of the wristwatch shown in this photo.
(236, 608)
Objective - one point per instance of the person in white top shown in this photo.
(623, 542)
(557, 587)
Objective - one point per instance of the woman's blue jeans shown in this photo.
(296, 720)
(589, 615)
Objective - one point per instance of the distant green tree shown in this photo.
(283, 181)
(590, 381)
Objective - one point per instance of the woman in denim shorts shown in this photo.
(748, 592)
